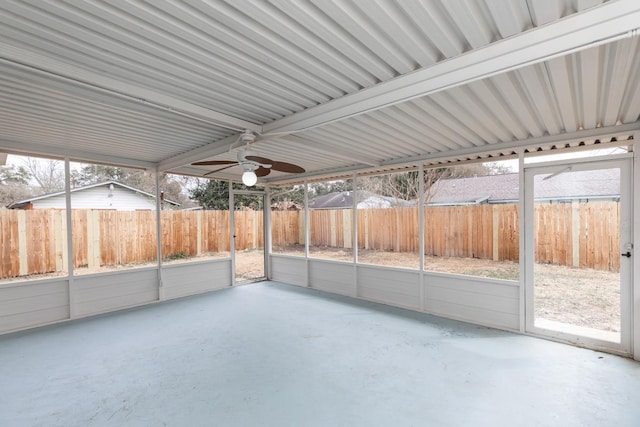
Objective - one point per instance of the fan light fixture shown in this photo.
(249, 178)
(253, 166)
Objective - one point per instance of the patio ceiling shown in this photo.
(334, 86)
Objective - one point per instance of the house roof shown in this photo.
(18, 204)
(334, 87)
(337, 199)
(603, 183)
(344, 199)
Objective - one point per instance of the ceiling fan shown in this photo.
(254, 166)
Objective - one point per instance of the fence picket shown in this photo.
(566, 234)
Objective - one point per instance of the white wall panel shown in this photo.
(193, 278)
(332, 276)
(30, 304)
(482, 301)
(394, 287)
(289, 270)
(477, 300)
(105, 292)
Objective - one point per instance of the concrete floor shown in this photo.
(275, 355)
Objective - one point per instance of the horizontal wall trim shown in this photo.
(199, 262)
(33, 282)
(472, 278)
(114, 273)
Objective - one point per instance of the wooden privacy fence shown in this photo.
(34, 241)
(573, 234)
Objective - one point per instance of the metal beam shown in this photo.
(25, 149)
(210, 150)
(602, 24)
(531, 143)
(97, 81)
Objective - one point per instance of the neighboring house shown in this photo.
(584, 185)
(104, 195)
(344, 200)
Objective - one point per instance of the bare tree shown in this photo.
(49, 174)
(406, 185)
(14, 184)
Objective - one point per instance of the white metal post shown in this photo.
(159, 236)
(522, 248)
(421, 231)
(232, 234)
(307, 233)
(67, 197)
(354, 232)
(266, 229)
(635, 271)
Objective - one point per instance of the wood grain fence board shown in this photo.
(9, 265)
(463, 231)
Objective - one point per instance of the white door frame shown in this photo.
(625, 163)
(232, 228)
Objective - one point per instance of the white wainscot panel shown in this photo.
(332, 276)
(30, 304)
(180, 280)
(389, 286)
(476, 300)
(289, 269)
(101, 293)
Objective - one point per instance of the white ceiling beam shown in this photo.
(27, 149)
(531, 143)
(576, 32)
(97, 81)
(197, 154)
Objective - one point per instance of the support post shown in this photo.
(67, 200)
(522, 249)
(354, 232)
(635, 273)
(421, 232)
(159, 236)
(306, 233)
(266, 231)
(232, 234)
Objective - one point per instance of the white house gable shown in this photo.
(109, 195)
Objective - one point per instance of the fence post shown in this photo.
(366, 228)
(347, 220)
(301, 227)
(332, 226)
(575, 233)
(59, 234)
(495, 224)
(396, 215)
(93, 239)
(199, 233)
(22, 244)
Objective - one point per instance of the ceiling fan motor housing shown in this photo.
(242, 155)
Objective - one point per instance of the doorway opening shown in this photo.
(578, 243)
(249, 256)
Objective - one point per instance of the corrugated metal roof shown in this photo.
(163, 84)
(603, 183)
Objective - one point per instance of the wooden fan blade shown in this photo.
(221, 169)
(259, 159)
(214, 162)
(262, 171)
(286, 167)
